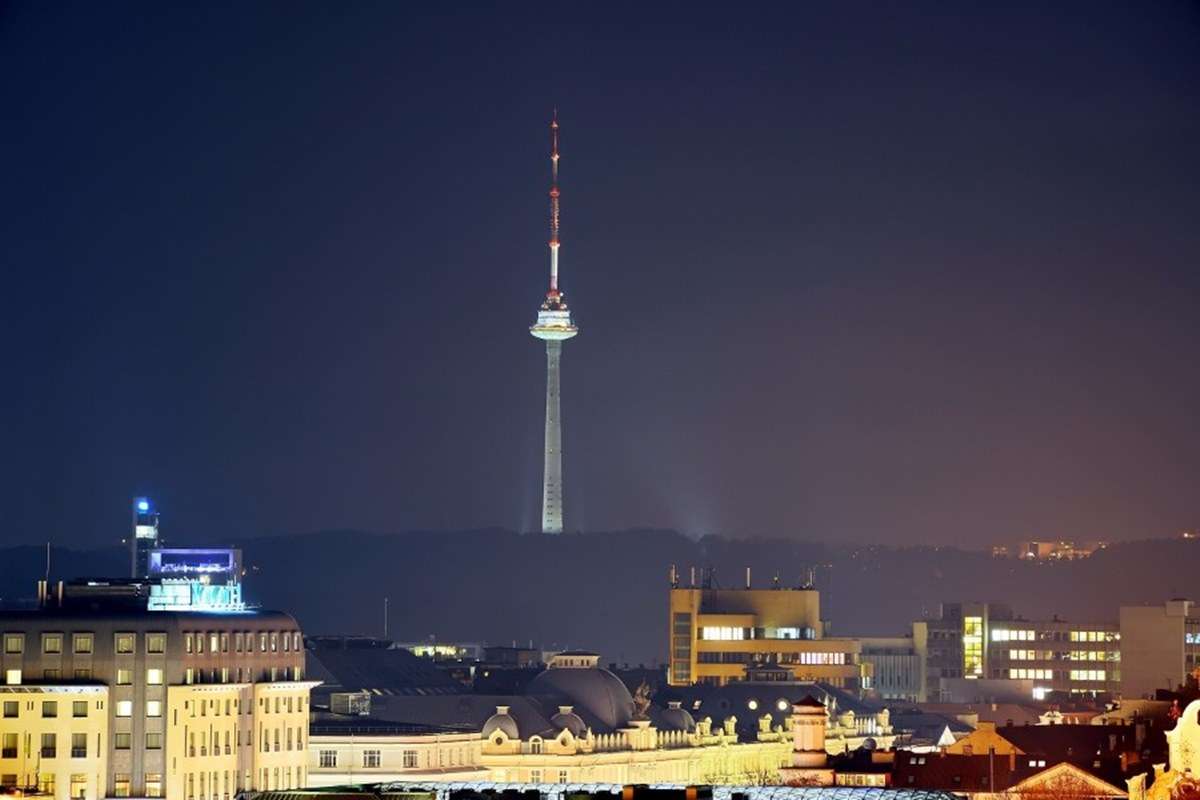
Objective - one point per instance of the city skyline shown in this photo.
(924, 281)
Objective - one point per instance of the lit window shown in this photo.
(82, 643)
(722, 633)
(14, 642)
(51, 642)
(12, 677)
(125, 642)
(153, 708)
(124, 708)
(154, 676)
(124, 677)
(156, 643)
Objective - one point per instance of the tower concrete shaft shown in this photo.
(552, 498)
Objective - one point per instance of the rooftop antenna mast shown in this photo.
(554, 203)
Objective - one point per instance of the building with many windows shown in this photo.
(715, 634)
(105, 699)
(988, 642)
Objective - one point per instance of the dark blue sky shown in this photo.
(890, 272)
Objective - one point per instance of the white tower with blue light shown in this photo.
(145, 536)
(554, 327)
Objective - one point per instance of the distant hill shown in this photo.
(606, 591)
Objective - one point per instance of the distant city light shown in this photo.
(143, 505)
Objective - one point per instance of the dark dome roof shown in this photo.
(567, 718)
(595, 691)
(501, 721)
(675, 718)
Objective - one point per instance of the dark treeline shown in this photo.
(606, 591)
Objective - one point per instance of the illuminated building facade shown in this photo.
(714, 635)
(111, 700)
(574, 723)
(554, 327)
(986, 641)
(143, 536)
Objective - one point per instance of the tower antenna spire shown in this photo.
(554, 203)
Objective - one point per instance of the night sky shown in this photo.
(883, 272)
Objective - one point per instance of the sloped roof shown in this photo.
(998, 713)
(468, 711)
(351, 665)
(962, 773)
(1070, 742)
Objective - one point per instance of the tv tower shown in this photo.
(554, 327)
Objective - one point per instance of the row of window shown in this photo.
(49, 708)
(124, 677)
(85, 643)
(10, 746)
(243, 642)
(78, 784)
(292, 738)
(410, 759)
(1031, 674)
(1025, 635)
(191, 675)
(1062, 655)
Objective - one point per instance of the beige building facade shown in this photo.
(178, 704)
(715, 634)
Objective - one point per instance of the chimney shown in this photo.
(747, 577)
(1012, 761)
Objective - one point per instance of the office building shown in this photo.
(714, 635)
(1160, 646)
(988, 642)
(896, 669)
(104, 697)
